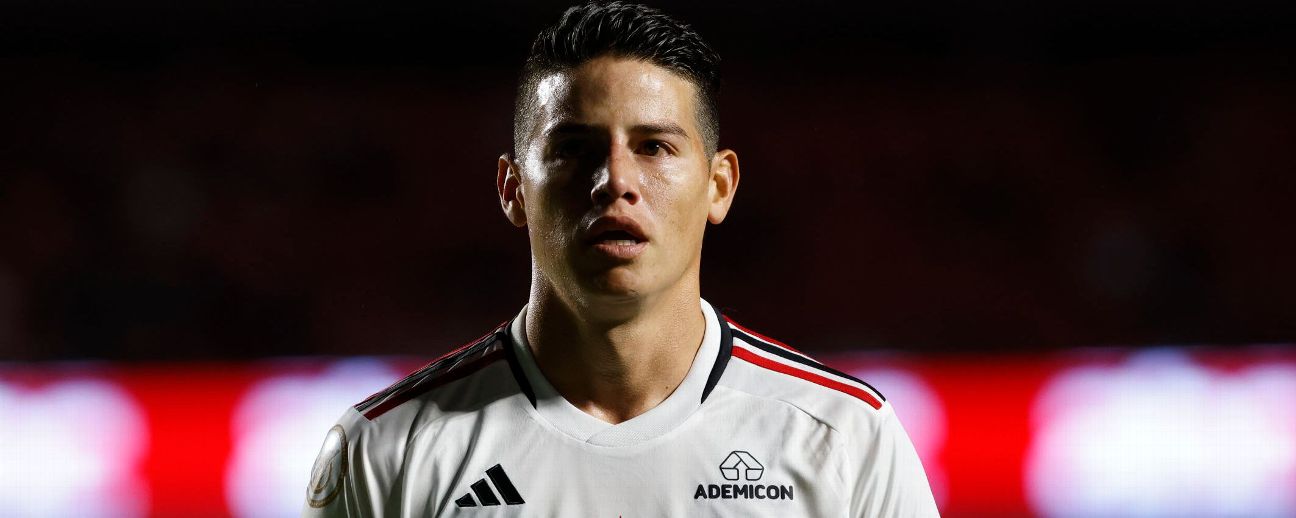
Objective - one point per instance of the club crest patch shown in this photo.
(329, 470)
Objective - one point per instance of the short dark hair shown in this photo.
(619, 29)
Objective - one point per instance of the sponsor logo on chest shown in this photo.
(744, 472)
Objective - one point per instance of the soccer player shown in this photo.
(617, 390)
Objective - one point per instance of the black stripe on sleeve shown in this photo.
(429, 371)
(788, 355)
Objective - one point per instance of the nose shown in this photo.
(618, 178)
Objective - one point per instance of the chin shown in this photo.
(617, 284)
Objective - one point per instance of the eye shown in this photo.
(570, 148)
(654, 148)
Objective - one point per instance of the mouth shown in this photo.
(617, 237)
(615, 230)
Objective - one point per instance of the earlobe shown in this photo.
(724, 184)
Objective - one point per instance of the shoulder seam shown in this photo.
(452, 366)
(798, 408)
(799, 366)
(745, 331)
(781, 349)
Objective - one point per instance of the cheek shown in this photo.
(548, 216)
(681, 200)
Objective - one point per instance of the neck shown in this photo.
(615, 366)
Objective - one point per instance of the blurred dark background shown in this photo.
(234, 180)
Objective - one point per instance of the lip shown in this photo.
(610, 223)
(617, 222)
(622, 252)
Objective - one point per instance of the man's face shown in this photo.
(615, 181)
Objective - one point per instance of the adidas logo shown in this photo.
(486, 496)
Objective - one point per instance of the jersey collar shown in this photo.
(708, 366)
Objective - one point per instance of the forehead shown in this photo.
(609, 91)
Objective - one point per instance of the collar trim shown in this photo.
(708, 366)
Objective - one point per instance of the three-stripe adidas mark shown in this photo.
(486, 496)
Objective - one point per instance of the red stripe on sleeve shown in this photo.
(457, 350)
(763, 337)
(423, 386)
(767, 363)
(467, 345)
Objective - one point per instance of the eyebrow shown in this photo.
(569, 128)
(666, 127)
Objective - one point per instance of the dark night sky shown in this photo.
(223, 180)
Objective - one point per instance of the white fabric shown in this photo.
(581, 426)
(819, 452)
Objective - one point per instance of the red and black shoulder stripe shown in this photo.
(771, 354)
(452, 366)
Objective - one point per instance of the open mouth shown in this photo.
(616, 237)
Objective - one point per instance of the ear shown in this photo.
(724, 183)
(509, 184)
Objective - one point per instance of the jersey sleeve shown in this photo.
(343, 480)
(886, 477)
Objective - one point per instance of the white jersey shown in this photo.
(755, 429)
